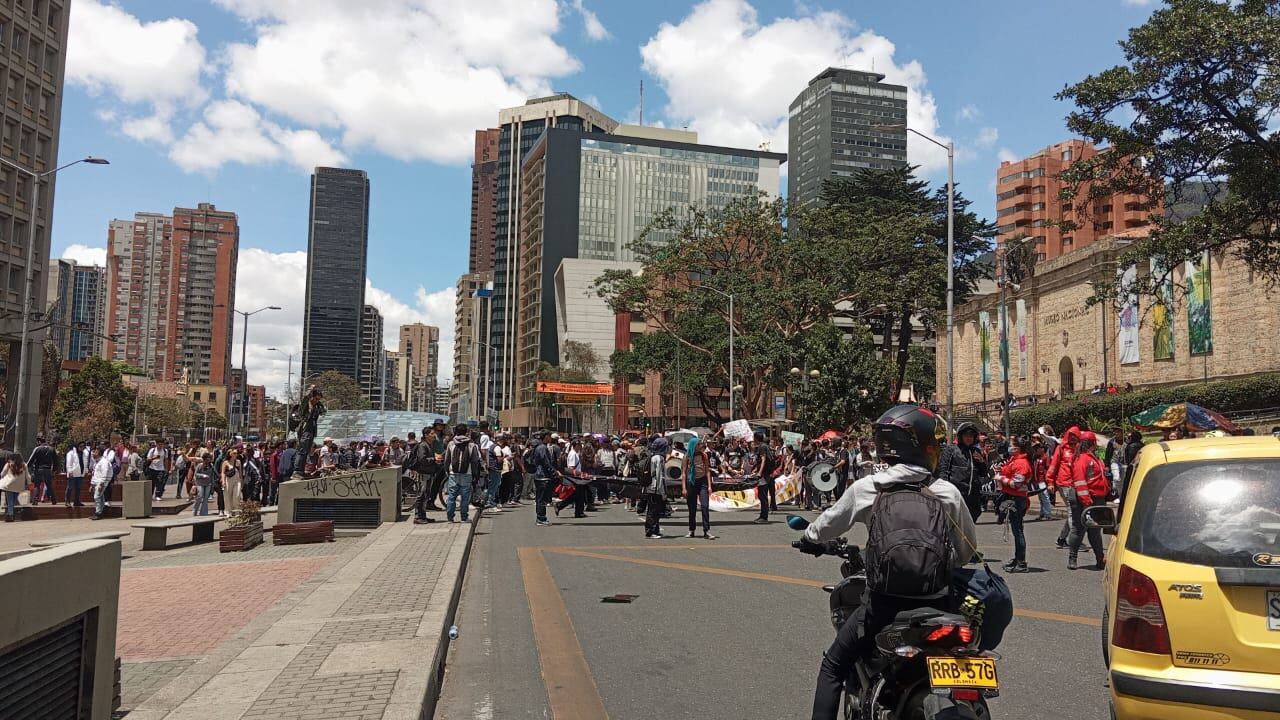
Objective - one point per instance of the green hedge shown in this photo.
(1253, 393)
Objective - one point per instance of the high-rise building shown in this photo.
(76, 309)
(440, 400)
(484, 201)
(373, 357)
(395, 394)
(337, 256)
(840, 124)
(584, 198)
(257, 407)
(520, 128)
(171, 284)
(238, 399)
(33, 36)
(1027, 204)
(470, 340)
(420, 345)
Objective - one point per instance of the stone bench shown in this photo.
(107, 535)
(155, 533)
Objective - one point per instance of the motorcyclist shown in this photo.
(965, 466)
(907, 439)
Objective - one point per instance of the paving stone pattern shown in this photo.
(405, 580)
(139, 680)
(186, 611)
(297, 694)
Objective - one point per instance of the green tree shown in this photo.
(580, 360)
(340, 391)
(849, 389)
(922, 371)
(157, 413)
(50, 381)
(92, 422)
(97, 381)
(1192, 110)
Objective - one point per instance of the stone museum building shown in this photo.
(1217, 322)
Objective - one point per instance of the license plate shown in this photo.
(1273, 610)
(952, 672)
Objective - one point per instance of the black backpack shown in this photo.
(643, 468)
(909, 545)
(460, 458)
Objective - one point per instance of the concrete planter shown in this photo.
(239, 539)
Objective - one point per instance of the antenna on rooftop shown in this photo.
(642, 101)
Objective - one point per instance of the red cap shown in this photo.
(1088, 437)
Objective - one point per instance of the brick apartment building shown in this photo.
(484, 201)
(1027, 203)
(171, 283)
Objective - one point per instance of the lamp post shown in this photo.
(733, 389)
(950, 147)
(1004, 331)
(1103, 307)
(21, 400)
(288, 388)
(243, 390)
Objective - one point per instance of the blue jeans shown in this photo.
(459, 484)
(1045, 506)
(491, 490)
(74, 485)
(201, 506)
(1020, 505)
(10, 503)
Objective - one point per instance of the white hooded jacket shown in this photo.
(854, 506)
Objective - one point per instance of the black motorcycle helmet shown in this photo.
(965, 427)
(909, 434)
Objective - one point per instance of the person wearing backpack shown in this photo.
(919, 533)
(463, 462)
(1089, 481)
(765, 463)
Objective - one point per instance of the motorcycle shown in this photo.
(927, 664)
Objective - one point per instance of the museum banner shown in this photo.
(1199, 317)
(1021, 306)
(1128, 342)
(984, 346)
(1002, 331)
(1162, 313)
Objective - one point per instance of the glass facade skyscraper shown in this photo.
(337, 255)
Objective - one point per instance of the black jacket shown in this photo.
(543, 465)
(959, 466)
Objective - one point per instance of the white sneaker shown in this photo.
(689, 534)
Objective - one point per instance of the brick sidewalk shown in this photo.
(356, 639)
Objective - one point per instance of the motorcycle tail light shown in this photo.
(970, 695)
(939, 632)
(966, 634)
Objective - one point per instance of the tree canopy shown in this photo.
(1190, 115)
(873, 251)
(96, 390)
(340, 391)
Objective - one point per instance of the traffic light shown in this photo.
(599, 403)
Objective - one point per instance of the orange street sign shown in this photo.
(574, 388)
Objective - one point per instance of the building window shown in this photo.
(196, 396)
(213, 396)
(1066, 156)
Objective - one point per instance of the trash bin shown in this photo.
(137, 498)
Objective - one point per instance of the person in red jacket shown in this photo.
(1016, 477)
(1090, 485)
(1060, 469)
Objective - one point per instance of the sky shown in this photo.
(235, 101)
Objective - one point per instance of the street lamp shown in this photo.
(950, 147)
(244, 370)
(288, 387)
(1004, 328)
(26, 285)
(732, 388)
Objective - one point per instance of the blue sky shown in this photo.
(232, 101)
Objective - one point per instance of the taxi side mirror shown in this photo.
(1102, 517)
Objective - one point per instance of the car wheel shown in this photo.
(1106, 641)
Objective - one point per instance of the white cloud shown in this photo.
(1007, 155)
(235, 132)
(432, 308)
(970, 112)
(987, 137)
(590, 23)
(85, 255)
(156, 65)
(1139, 3)
(731, 79)
(441, 68)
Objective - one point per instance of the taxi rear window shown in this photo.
(1214, 512)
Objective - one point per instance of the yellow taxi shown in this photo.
(1192, 621)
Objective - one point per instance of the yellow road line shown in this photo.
(805, 582)
(571, 689)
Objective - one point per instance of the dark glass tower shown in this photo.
(520, 129)
(337, 254)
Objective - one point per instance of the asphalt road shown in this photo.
(731, 628)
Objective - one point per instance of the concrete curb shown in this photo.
(436, 674)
